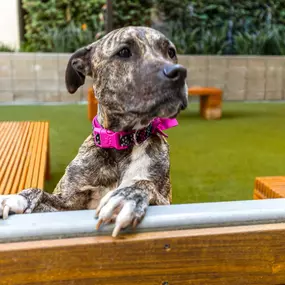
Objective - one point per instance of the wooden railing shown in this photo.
(211, 243)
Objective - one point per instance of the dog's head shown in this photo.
(135, 76)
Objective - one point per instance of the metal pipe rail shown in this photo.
(40, 226)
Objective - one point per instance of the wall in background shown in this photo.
(39, 77)
(241, 77)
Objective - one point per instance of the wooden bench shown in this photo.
(24, 155)
(269, 187)
(210, 101)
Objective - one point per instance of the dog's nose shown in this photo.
(175, 71)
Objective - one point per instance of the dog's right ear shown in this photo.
(79, 66)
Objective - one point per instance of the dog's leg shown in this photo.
(127, 206)
(86, 174)
(145, 182)
(36, 200)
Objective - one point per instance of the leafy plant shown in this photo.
(73, 37)
(132, 13)
(199, 40)
(268, 41)
(213, 41)
(44, 16)
(47, 23)
(186, 41)
(223, 26)
(246, 43)
(5, 48)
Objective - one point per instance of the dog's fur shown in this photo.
(131, 92)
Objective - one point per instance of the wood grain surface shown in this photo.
(231, 255)
(24, 157)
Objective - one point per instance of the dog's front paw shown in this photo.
(125, 207)
(12, 203)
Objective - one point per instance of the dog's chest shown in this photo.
(128, 170)
(97, 195)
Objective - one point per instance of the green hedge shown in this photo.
(224, 26)
(132, 13)
(62, 26)
(196, 27)
(47, 19)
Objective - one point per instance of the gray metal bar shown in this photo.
(158, 218)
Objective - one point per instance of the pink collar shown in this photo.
(122, 140)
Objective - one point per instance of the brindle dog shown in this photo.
(137, 79)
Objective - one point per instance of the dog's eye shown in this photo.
(171, 52)
(125, 52)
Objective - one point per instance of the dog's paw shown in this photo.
(125, 207)
(12, 203)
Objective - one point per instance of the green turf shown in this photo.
(210, 160)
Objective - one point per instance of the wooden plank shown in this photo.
(8, 150)
(231, 255)
(200, 91)
(12, 167)
(7, 135)
(257, 195)
(33, 154)
(270, 187)
(47, 174)
(28, 155)
(4, 128)
(43, 157)
(36, 165)
(24, 155)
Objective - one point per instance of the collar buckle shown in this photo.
(107, 139)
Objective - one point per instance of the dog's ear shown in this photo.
(79, 66)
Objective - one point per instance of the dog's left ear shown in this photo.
(79, 66)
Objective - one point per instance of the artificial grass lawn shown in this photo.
(210, 160)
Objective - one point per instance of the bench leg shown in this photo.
(213, 113)
(92, 105)
(211, 107)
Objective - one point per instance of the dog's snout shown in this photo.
(175, 71)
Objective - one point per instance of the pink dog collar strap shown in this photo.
(122, 140)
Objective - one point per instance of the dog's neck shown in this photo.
(116, 121)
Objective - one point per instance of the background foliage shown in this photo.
(224, 26)
(45, 20)
(132, 13)
(5, 48)
(64, 26)
(196, 27)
